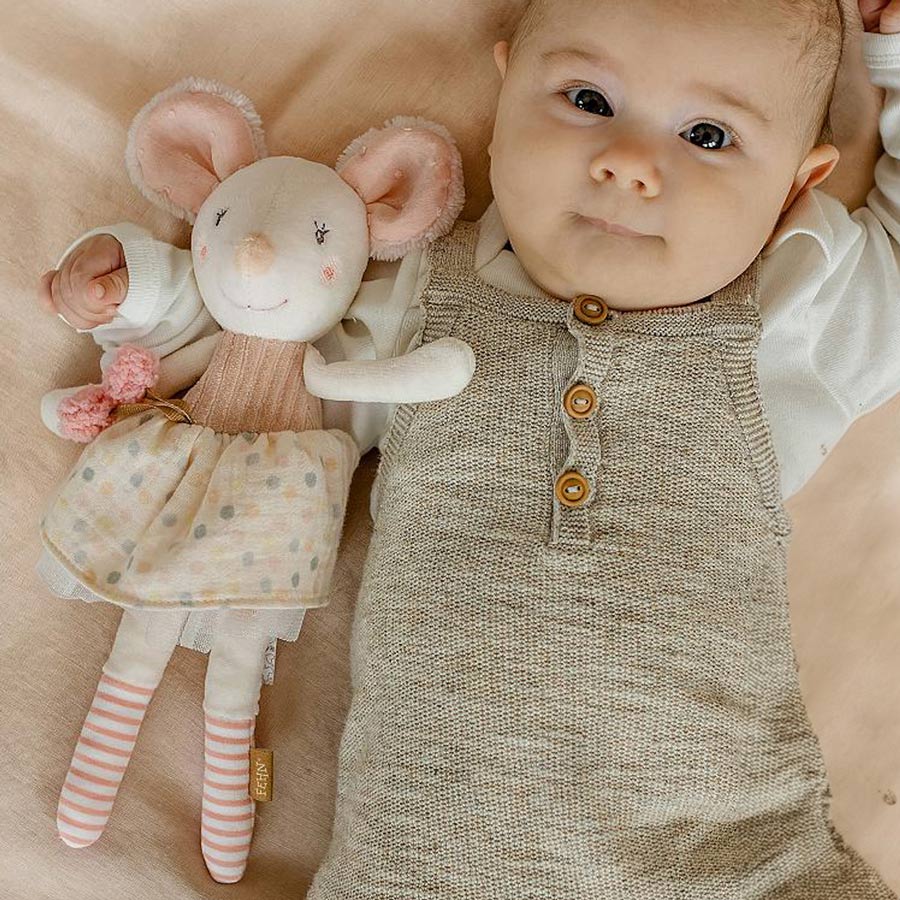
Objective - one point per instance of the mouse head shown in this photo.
(280, 243)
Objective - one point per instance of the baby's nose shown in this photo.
(628, 171)
(254, 254)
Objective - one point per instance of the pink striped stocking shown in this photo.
(227, 818)
(100, 759)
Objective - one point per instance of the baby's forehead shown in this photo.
(778, 50)
(805, 24)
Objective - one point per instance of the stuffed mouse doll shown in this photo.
(234, 497)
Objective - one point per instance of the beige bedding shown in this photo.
(71, 77)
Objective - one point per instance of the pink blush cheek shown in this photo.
(204, 250)
(329, 273)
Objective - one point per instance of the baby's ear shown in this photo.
(409, 174)
(187, 140)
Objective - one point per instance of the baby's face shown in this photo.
(682, 122)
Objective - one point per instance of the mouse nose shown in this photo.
(254, 254)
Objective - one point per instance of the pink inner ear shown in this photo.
(189, 143)
(404, 177)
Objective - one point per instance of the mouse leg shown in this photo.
(144, 643)
(231, 702)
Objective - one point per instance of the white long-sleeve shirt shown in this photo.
(830, 304)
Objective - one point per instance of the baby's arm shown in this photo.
(830, 347)
(853, 323)
(152, 300)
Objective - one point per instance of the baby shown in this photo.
(572, 663)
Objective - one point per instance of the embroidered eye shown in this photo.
(321, 231)
(220, 215)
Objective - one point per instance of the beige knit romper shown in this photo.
(241, 508)
(594, 699)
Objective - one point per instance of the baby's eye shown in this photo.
(590, 100)
(708, 136)
(321, 231)
(220, 214)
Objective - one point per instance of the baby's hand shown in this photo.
(90, 284)
(880, 15)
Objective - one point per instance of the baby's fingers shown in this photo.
(890, 18)
(76, 315)
(108, 290)
(870, 11)
(880, 15)
(91, 303)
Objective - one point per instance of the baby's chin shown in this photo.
(626, 272)
(619, 271)
(622, 285)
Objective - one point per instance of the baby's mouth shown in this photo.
(612, 227)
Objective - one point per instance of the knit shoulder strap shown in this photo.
(449, 282)
(453, 256)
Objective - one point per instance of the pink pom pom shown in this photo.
(131, 374)
(83, 415)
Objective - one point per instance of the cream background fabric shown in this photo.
(71, 78)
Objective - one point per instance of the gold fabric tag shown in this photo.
(262, 773)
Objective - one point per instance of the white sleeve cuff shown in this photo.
(881, 51)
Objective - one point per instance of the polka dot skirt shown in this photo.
(157, 513)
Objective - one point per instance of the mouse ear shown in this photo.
(187, 140)
(409, 174)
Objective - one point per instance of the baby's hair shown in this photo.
(822, 46)
(822, 50)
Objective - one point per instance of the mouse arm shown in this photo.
(80, 413)
(181, 368)
(434, 371)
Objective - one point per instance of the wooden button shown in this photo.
(571, 489)
(580, 401)
(590, 310)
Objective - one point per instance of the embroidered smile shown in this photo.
(254, 308)
(265, 308)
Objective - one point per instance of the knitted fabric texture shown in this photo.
(598, 701)
(254, 384)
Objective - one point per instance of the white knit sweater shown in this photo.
(830, 304)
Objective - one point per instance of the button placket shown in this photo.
(576, 485)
